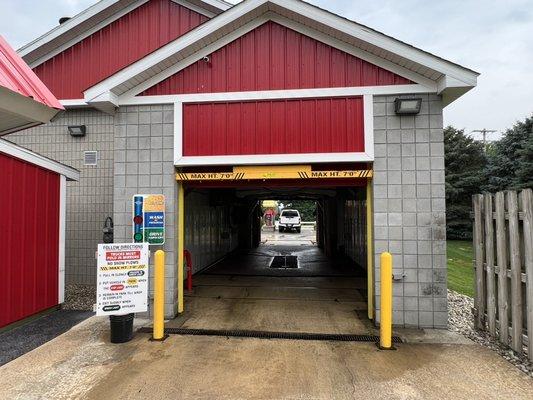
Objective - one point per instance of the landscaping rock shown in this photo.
(79, 297)
(461, 320)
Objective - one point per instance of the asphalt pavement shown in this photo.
(22, 339)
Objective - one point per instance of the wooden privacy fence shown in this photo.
(503, 249)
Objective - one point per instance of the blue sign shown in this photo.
(154, 220)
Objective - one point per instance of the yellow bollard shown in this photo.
(180, 246)
(159, 296)
(385, 326)
(369, 250)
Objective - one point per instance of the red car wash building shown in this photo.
(33, 199)
(220, 106)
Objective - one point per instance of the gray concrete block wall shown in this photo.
(144, 164)
(409, 210)
(89, 201)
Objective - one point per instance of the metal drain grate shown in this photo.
(284, 262)
(274, 335)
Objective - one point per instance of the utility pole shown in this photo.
(484, 132)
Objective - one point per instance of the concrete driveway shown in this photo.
(82, 364)
(430, 365)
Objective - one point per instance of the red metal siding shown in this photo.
(273, 57)
(114, 47)
(274, 127)
(30, 239)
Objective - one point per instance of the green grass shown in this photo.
(460, 271)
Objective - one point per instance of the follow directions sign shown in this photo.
(122, 278)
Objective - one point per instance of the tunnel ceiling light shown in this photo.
(407, 106)
(77, 130)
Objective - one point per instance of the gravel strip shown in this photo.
(79, 297)
(461, 320)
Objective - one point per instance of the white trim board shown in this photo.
(39, 160)
(220, 4)
(25, 107)
(368, 115)
(74, 103)
(194, 7)
(277, 94)
(61, 239)
(273, 159)
(145, 69)
(368, 121)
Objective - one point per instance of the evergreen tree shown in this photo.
(510, 159)
(465, 163)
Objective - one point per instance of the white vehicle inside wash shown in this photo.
(289, 220)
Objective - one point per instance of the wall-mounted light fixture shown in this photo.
(77, 130)
(407, 106)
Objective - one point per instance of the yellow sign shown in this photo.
(265, 173)
(154, 203)
(272, 171)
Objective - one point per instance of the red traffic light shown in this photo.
(138, 220)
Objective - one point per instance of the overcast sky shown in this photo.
(492, 37)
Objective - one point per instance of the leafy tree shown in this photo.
(307, 208)
(465, 163)
(510, 159)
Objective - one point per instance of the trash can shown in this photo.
(121, 328)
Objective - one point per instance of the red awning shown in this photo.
(24, 100)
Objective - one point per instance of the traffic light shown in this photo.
(138, 219)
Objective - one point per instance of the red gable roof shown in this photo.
(16, 76)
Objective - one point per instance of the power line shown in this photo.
(484, 132)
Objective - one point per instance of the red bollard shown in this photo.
(188, 261)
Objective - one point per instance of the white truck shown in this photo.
(290, 220)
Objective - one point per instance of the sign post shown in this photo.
(122, 279)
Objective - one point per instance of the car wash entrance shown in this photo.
(281, 270)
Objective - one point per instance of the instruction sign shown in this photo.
(122, 278)
(149, 219)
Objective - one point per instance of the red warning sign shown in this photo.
(122, 255)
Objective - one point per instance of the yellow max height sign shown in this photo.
(265, 175)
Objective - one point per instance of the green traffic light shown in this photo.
(138, 237)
